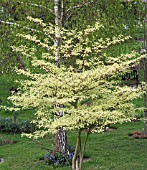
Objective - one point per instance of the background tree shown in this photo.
(77, 14)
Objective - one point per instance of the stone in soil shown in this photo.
(1, 160)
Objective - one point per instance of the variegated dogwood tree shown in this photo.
(86, 82)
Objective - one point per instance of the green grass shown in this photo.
(7, 81)
(109, 151)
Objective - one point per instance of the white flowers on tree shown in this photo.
(86, 82)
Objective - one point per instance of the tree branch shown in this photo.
(77, 7)
(25, 27)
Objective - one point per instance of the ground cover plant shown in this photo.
(109, 150)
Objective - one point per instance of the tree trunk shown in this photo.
(60, 137)
(145, 78)
(61, 142)
(57, 29)
(75, 157)
(77, 160)
(145, 99)
(145, 94)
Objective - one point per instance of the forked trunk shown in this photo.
(77, 160)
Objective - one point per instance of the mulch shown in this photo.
(138, 135)
(4, 142)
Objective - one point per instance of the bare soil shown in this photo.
(4, 142)
(138, 135)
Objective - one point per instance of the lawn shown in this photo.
(108, 151)
(7, 82)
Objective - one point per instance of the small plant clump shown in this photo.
(60, 158)
(8, 125)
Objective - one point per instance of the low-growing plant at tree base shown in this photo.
(85, 81)
(60, 158)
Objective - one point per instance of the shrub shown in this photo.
(8, 125)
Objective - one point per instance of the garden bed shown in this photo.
(4, 142)
(138, 135)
